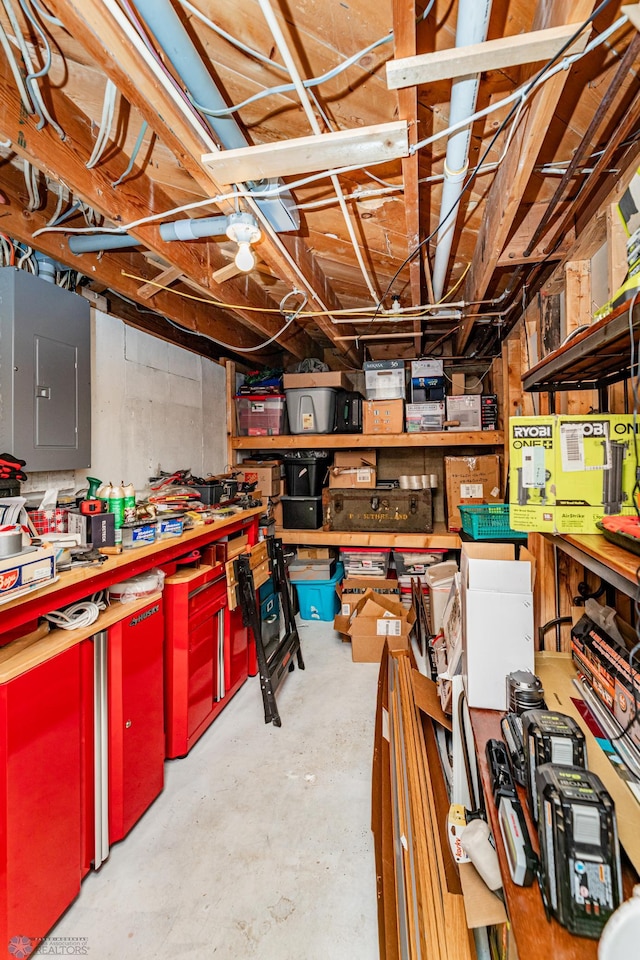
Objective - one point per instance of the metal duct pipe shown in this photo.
(167, 28)
(194, 229)
(94, 242)
(472, 26)
(47, 267)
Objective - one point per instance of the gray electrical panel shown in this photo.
(45, 373)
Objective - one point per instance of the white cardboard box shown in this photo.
(467, 410)
(497, 619)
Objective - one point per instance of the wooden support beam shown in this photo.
(616, 249)
(539, 45)
(166, 277)
(193, 318)
(578, 313)
(65, 161)
(344, 148)
(114, 54)
(513, 174)
(404, 31)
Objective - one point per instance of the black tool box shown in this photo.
(390, 511)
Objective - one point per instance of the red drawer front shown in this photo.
(202, 677)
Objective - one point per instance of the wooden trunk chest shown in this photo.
(389, 511)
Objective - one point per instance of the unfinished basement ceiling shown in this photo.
(356, 266)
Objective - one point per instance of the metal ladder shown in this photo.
(276, 658)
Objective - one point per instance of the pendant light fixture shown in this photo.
(244, 230)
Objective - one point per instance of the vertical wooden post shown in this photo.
(230, 392)
(578, 314)
(616, 249)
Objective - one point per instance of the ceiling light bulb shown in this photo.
(245, 257)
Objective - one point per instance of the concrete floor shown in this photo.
(260, 844)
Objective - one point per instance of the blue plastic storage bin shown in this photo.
(318, 598)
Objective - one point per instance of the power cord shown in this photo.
(81, 614)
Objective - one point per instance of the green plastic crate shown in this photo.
(488, 521)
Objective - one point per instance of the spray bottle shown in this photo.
(116, 507)
(129, 503)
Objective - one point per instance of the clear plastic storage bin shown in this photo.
(261, 415)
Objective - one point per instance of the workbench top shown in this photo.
(71, 586)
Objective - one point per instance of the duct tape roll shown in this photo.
(142, 585)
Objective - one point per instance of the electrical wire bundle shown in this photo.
(77, 615)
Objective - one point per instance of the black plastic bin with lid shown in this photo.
(305, 472)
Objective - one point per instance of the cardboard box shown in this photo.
(384, 380)
(423, 417)
(97, 529)
(383, 417)
(27, 571)
(330, 378)
(266, 475)
(351, 591)
(353, 468)
(467, 410)
(497, 619)
(311, 570)
(471, 480)
(567, 472)
(315, 553)
(427, 368)
(374, 620)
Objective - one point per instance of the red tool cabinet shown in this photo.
(40, 796)
(206, 654)
(123, 747)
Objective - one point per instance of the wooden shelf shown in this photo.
(611, 563)
(439, 539)
(598, 356)
(467, 438)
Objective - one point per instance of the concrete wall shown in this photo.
(152, 405)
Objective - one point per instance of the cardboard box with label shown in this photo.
(383, 416)
(353, 468)
(422, 417)
(376, 619)
(329, 378)
(497, 619)
(466, 410)
(567, 472)
(471, 480)
(265, 473)
(384, 379)
(27, 571)
(351, 591)
(98, 529)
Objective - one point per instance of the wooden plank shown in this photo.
(511, 180)
(334, 441)
(405, 41)
(440, 539)
(344, 148)
(538, 45)
(616, 249)
(578, 314)
(165, 277)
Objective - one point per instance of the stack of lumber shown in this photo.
(421, 911)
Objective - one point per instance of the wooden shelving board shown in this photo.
(333, 441)
(439, 539)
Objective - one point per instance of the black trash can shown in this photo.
(305, 472)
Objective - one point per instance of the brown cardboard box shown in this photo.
(330, 378)
(471, 480)
(375, 620)
(353, 468)
(383, 416)
(267, 475)
(315, 553)
(352, 589)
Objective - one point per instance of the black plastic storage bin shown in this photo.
(305, 472)
(301, 513)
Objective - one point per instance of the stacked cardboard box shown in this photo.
(375, 620)
(472, 480)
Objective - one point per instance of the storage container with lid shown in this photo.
(311, 409)
(261, 415)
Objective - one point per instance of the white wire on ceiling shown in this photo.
(32, 80)
(15, 70)
(31, 182)
(106, 122)
(281, 43)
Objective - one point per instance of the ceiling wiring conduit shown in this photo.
(95, 242)
(281, 43)
(472, 26)
(185, 59)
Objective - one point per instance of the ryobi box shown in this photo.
(567, 472)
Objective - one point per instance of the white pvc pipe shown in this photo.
(472, 26)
